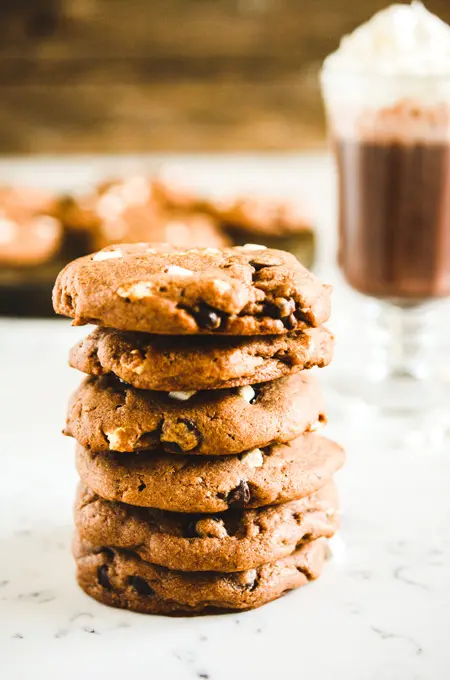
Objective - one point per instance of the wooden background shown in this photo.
(168, 75)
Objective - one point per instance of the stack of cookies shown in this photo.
(204, 484)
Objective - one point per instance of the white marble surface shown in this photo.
(381, 611)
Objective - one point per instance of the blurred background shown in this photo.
(130, 76)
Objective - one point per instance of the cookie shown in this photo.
(22, 203)
(29, 243)
(235, 540)
(152, 362)
(122, 579)
(105, 413)
(164, 289)
(171, 191)
(128, 211)
(262, 215)
(185, 483)
(274, 222)
(257, 215)
(28, 236)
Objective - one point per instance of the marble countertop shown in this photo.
(381, 610)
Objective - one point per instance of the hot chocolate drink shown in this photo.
(394, 204)
(387, 94)
(387, 98)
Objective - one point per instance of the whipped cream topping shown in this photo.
(399, 40)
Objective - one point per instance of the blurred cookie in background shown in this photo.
(30, 243)
(273, 222)
(22, 203)
(132, 210)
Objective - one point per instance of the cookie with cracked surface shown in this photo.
(185, 483)
(122, 579)
(153, 362)
(158, 288)
(235, 540)
(105, 413)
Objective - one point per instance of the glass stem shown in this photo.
(411, 341)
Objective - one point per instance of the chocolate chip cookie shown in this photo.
(129, 211)
(261, 215)
(157, 288)
(122, 579)
(185, 483)
(153, 362)
(235, 540)
(29, 237)
(275, 223)
(105, 413)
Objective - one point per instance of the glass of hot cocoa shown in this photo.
(387, 97)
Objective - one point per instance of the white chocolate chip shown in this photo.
(209, 251)
(253, 458)
(136, 291)
(221, 286)
(204, 251)
(247, 393)
(107, 255)
(253, 246)
(182, 396)
(122, 438)
(174, 270)
(318, 426)
(246, 578)
(135, 362)
(336, 549)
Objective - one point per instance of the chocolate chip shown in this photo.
(253, 585)
(280, 308)
(207, 317)
(285, 357)
(140, 585)
(172, 447)
(190, 530)
(257, 391)
(263, 261)
(257, 266)
(240, 495)
(68, 301)
(124, 383)
(290, 322)
(102, 575)
(301, 316)
(147, 440)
